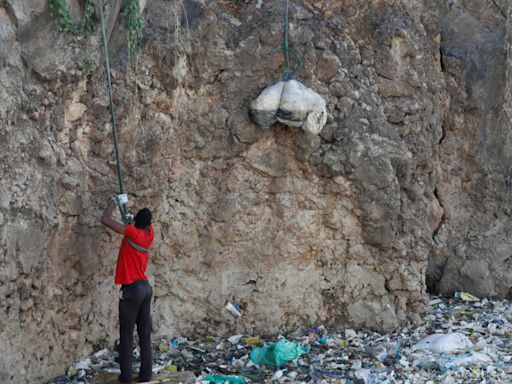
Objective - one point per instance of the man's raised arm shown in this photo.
(108, 221)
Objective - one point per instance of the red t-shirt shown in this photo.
(131, 263)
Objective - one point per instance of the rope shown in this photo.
(289, 73)
(499, 8)
(122, 208)
(137, 247)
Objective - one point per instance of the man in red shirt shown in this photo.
(135, 294)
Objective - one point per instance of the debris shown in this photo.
(279, 353)
(252, 340)
(171, 368)
(234, 21)
(367, 376)
(235, 339)
(84, 364)
(483, 353)
(163, 347)
(444, 343)
(313, 333)
(198, 349)
(350, 333)
(465, 296)
(72, 371)
(435, 301)
(277, 375)
(466, 313)
(234, 309)
(224, 379)
(101, 353)
(469, 359)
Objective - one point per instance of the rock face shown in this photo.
(471, 246)
(408, 182)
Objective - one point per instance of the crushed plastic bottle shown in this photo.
(234, 309)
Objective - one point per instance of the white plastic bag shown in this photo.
(471, 359)
(444, 343)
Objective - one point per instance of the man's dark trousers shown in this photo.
(134, 308)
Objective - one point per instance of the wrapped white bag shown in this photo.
(444, 343)
(291, 103)
(264, 108)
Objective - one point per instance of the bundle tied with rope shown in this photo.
(289, 101)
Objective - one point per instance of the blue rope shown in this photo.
(289, 73)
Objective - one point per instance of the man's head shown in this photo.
(143, 218)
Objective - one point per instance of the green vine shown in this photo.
(60, 11)
(133, 25)
(87, 25)
(87, 67)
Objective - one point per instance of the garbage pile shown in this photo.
(463, 340)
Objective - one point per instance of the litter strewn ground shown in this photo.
(472, 343)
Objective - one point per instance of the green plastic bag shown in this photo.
(278, 354)
(219, 379)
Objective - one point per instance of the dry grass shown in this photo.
(182, 50)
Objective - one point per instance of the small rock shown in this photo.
(302, 13)
(26, 304)
(328, 65)
(234, 21)
(75, 111)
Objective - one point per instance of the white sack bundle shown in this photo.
(444, 343)
(264, 109)
(291, 103)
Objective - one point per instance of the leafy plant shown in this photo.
(87, 67)
(5, 4)
(133, 21)
(133, 25)
(87, 25)
(61, 13)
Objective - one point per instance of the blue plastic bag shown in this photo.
(219, 379)
(278, 354)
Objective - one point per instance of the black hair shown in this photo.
(143, 218)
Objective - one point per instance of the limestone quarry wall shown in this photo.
(408, 183)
